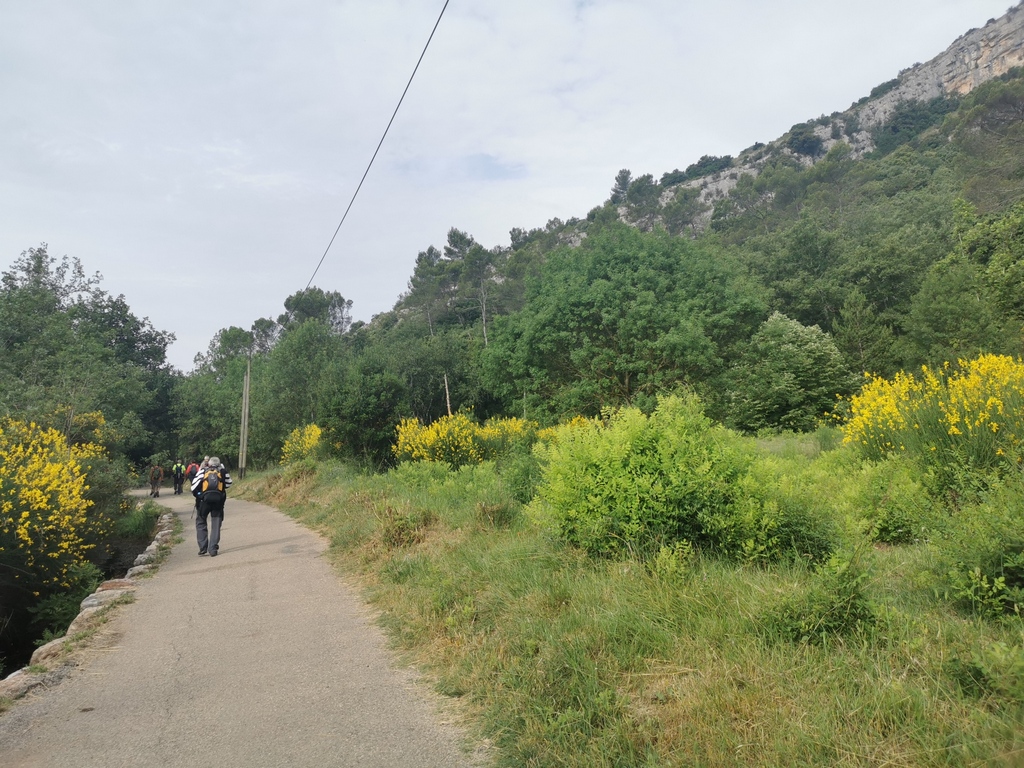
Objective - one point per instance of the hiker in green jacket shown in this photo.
(178, 473)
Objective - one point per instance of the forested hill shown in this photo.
(874, 239)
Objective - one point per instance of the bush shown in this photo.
(981, 557)
(302, 443)
(964, 424)
(788, 378)
(522, 474)
(836, 605)
(53, 615)
(457, 440)
(48, 527)
(634, 483)
(138, 521)
(995, 669)
(894, 501)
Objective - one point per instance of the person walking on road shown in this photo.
(156, 476)
(178, 472)
(210, 488)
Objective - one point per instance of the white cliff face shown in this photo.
(974, 58)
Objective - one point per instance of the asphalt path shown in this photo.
(261, 656)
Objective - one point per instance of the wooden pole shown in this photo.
(243, 437)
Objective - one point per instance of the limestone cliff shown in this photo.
(974, 58)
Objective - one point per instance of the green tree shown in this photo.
(314, 303)
(682, 213)
(866, 342)
(788, 378)
(623, 179)
(618, 319)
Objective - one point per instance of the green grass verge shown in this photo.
(566, 660)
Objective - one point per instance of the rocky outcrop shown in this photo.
(974, 58)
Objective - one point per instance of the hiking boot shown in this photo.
(202, 551)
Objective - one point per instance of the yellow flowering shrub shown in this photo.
(959, 420)
(457, 440)
(45, 521)
(301, 444)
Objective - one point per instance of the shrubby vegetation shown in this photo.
(84, 401)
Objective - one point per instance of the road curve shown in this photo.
(261, 656)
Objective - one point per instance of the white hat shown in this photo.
(214, 461)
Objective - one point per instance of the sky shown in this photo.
(199, 154)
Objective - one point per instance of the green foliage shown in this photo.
(708, 165)
(640, 479)
(834, 605)
(803, 140)
(634, 482)
(996, 671)
(908, 120)
(328, 307)
(893, 501)
(55, 612)
(138, 522)
(788, 377)
(521, 471)
(981, 554)
(618, 319)
(884, 88)
(623, 179)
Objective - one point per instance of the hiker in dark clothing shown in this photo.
(210, 488)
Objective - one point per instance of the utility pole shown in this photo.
(243, 437)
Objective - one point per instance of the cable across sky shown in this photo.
(379, 144)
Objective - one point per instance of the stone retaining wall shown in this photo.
(20, 682)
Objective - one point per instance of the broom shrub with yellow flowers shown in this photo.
(301, 444)
(49, 529)
(961, 427)
(963, 424)
(458, 440)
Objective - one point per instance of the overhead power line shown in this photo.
(379, 144)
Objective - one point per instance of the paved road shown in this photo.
(259, 657)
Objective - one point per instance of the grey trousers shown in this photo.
(209, 538)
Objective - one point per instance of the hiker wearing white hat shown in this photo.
(210, 487)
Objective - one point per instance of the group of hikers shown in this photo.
(209, 483)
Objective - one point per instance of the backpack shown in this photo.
(212, 485)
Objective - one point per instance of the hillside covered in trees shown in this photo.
(768, 283)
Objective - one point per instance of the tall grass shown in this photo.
(563, 659)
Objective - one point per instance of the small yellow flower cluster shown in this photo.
(550, 435)
(457, 440)
(45, 525)
(301, 444)
(971, 414)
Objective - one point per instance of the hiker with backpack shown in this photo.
(156, 476)
(178, 473)
(210, 487)
(191, 471)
